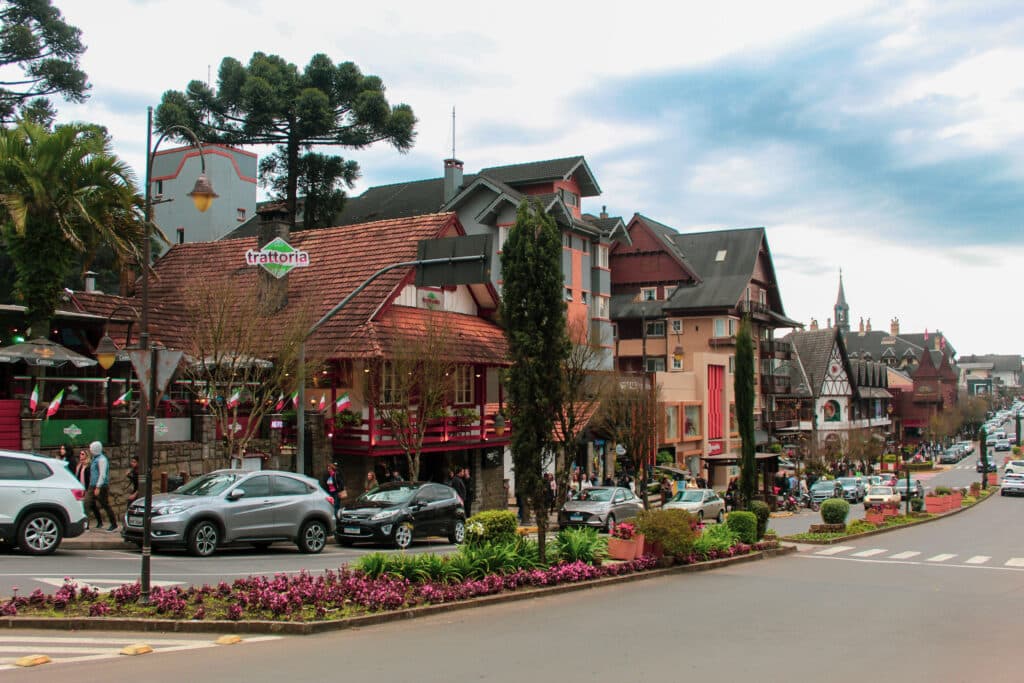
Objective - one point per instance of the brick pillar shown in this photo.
(31, 434)
(322, 451)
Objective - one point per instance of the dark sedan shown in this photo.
(397, 512)
(916, 488)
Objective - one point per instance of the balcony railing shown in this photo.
(776, 349)
(754, 308)
(715, 342)
(443, 433)
(775, 384)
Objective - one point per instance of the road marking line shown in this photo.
(103, 585)
(870, 553)
(23, 640)
(940, 558)
(905, 555)
(835, 550)
(978, 559)
(1015, 562)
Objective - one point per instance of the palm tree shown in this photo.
(63, 193)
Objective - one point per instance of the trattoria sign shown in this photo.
(277, 257)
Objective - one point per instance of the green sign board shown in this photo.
(277, 257)
(74, 432)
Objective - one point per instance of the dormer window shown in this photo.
(648, 294)
(720, 256)
(570, 198)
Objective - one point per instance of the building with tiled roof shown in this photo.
(990, 370)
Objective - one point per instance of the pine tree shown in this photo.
(533, 312)
(743, 390)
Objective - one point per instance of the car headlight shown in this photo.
(171, 510)
(384, 514)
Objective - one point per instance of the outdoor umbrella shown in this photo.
(44, 353)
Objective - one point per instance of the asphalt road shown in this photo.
(915, 604)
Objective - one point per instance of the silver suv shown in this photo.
(235, 506)
(40, 502)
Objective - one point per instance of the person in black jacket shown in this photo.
(467, 482)
(334, 485)
(457, 484)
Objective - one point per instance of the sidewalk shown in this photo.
(95, 539)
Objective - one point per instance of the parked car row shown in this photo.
(956, 452)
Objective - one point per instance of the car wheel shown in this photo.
(609, 523)
(312, 536)
(458, 532)
(720, 517)
(261, 546)
(39, 533)
(403, 535)
(203, 539)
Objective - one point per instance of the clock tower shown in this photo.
(842, 310)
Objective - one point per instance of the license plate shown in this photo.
(352, 530)
(576, 518)
(134, 520)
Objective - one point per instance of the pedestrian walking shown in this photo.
(334, 485)
(98, 495)
(132, 475)
(66, 455)
(467, 481)
(457, 484)
(82, 474)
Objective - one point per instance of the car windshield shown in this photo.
(848, 481)
(823, 485)
(880, 491)
(209, 484)
(689, 496)
(391, 495)
(597, 495)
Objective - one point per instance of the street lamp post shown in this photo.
(202, 196)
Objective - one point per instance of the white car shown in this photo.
(1014, 467)
(1013, 485)
(881, 495)
(40, 502)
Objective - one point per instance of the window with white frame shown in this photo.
(388, 384)
(677, 362)
(648, 293)
(655, 365)
(602, 256)
(655, 328)
(732, 327)
(677, 327)
(583, 297)
(669, 290)
(732, 364)
(568, 294)
(720, 327)
(600, 307)
(503, 235)
(567, 240)
(762, 297)
(463, 382)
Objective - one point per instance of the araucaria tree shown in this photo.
(38, 57)
(411, 389)
(240, 358)
(743, 391)
(62, 194)
(270, 102)
(533, 312)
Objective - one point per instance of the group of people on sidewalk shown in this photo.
(92, 469)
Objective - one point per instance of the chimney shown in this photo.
(271, 291)
(829, 322)
(604, 211)
(452, 178)
(868, 328)
(861, 329)
(181, 235)
(814, 325)
(90, 281)
(894, 327)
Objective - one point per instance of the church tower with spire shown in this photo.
(842, 310)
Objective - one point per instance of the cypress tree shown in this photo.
(743, 390)
(533, 313)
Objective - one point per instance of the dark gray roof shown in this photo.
(399, 200)
(1000, 363)
(623, 306)
(814, 348)
(883, 345)
(550, 169)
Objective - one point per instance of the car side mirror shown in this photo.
(236, 494)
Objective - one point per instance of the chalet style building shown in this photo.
(677, 301)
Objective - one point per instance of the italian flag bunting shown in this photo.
(235, 398)
(295, 398)
(323, 403)
(280, 402)
(342, 403)
(33, 400)
(123, 398)
(55, 404)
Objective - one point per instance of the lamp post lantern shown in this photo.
(202, 196)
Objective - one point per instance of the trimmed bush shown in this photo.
(674, 529)
(580, 545)
(917, 504)
(834, 511)
(744, 525)
(762, 512)
(492, 526)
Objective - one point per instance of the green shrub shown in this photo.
(859, 526)
(674, 529)
(498, 558)
(492, 526)
(834, 511)
(744, 524)
(580, 545)
(762, 512)
(943, 491)
(968, 500)
(417, 568)
(717, 537)
(917, 504)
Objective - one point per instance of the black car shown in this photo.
(916, 488)
(990, 465)
(396, 512)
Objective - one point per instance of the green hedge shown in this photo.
(762, 512)
(917, 504)
(674, 529)
(492, 526)
(744, 524)
(834, 511)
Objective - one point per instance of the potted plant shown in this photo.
(347, 419)
(623, 541)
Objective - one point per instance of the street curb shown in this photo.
(876, 532)
(309, 628)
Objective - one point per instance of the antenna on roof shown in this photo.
(453, 132)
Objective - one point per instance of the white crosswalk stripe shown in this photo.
(978, 559)
(906, 555)
(835, 550)
(870, 553)
(67, 649)
(1015, 562)
(941, 557)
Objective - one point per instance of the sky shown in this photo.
(880, 138)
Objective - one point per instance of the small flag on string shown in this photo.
(33, 400)
(235, 398)
(323, 403)
(295, 398)
(280, 402)
(123, 398)
(343, 403)
(55, 404)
